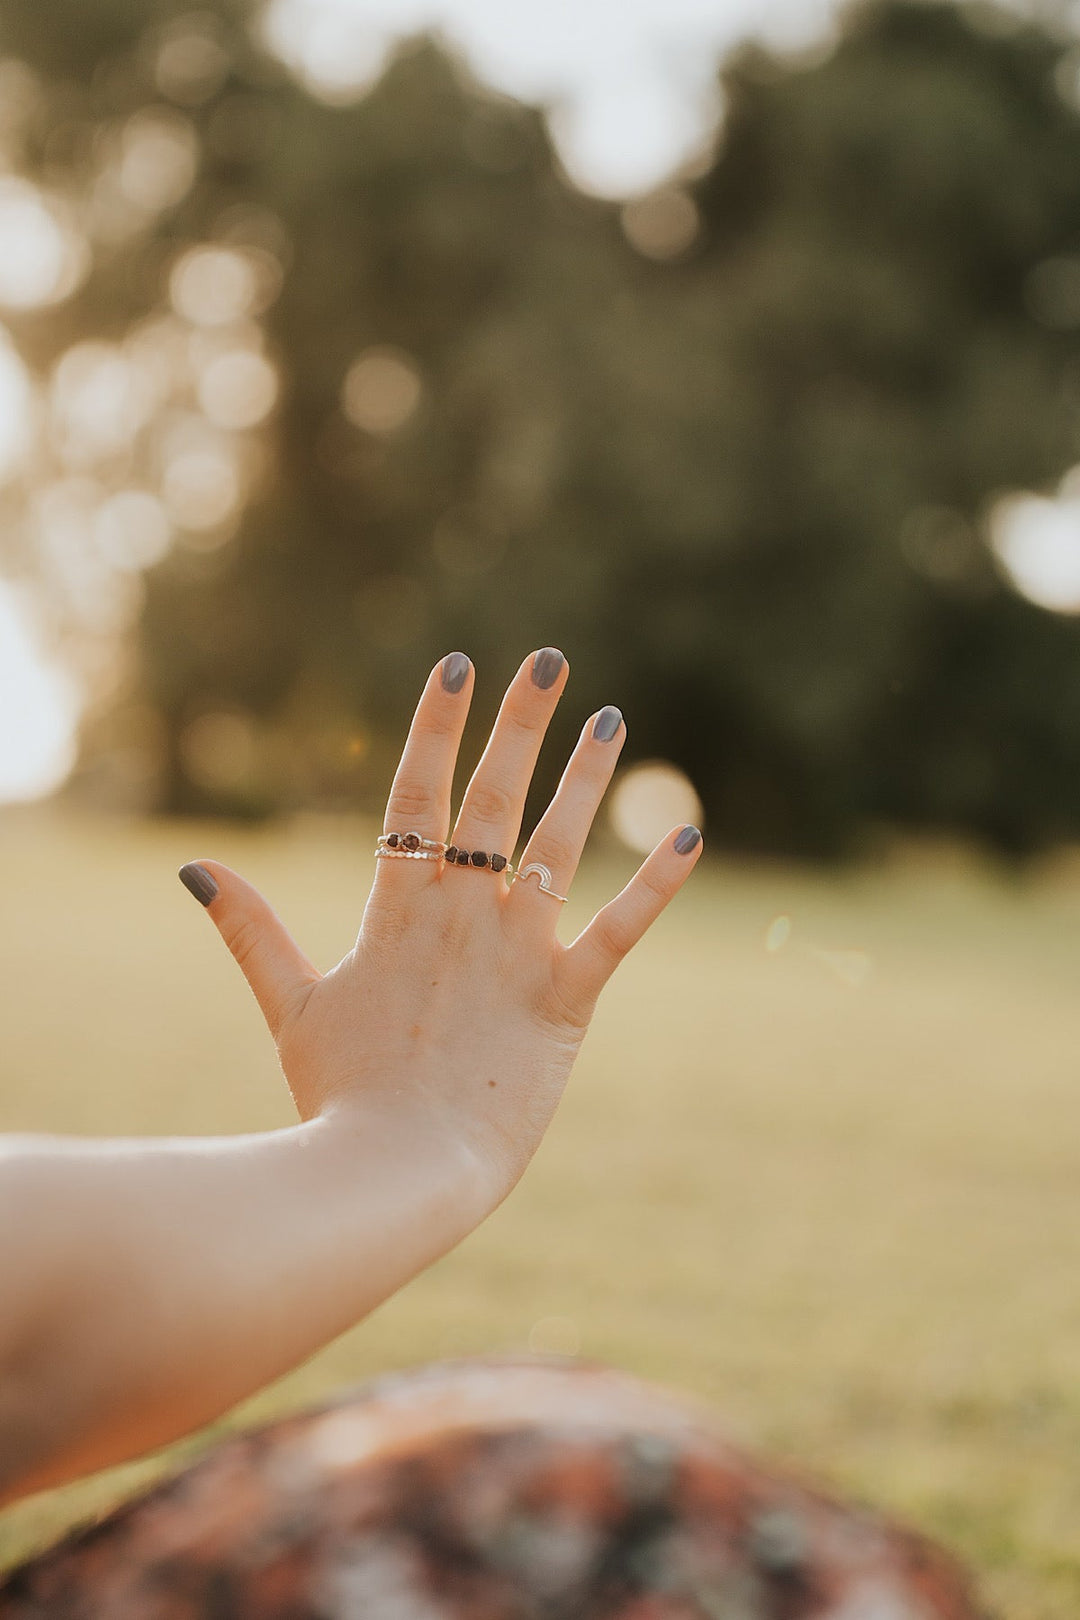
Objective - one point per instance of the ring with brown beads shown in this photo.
(478, 858)
(410, 846)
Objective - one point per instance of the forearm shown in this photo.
(148, 1286)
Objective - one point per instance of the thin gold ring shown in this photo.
(544, 875)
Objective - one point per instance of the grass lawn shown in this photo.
(833, 1187)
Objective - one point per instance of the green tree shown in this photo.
(742, 476)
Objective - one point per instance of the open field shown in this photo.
(834, 1187)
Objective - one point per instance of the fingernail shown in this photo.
(197, 880)
(546, 666)
(607, 723)
(687, 840)
(455, 670)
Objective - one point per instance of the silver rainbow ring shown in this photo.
(543, 873)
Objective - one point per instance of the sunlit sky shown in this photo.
(630, 88)
(630, 81)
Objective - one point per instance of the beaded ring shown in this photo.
(409, 846)
(478, 858)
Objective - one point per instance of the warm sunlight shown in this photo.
(38, 710)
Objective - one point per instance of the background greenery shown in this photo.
(831, 1188)
(734, 448)
(743, 474)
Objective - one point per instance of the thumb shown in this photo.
(269, 958)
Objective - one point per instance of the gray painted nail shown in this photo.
(546, 666)
(455, 670)
(607, 723)
(687, 840)
(197, 880)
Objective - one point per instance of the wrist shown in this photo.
(440, 1179)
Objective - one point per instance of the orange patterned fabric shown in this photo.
(522, 1490)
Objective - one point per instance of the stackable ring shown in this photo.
(410, 843)
(384, 854)
(478, 858)
(543, 874)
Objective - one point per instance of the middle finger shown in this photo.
(494, 802)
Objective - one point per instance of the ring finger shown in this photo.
(559, 838)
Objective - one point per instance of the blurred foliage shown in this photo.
(732, 447)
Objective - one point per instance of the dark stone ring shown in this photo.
(478, 858)
(410, 843)
(409, 846)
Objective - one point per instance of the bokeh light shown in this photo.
(939, 543)
(132, 530)
(201, 490)
(63, 519)
(381, 390)
(158, 158)
(1037, 543)
(332, 48)
(663, 224)
(44, 259)
(38, 708)
(238, 388)
(212, 286)
(192, 64)
(98, 402)
(632, 91)
(651, 799)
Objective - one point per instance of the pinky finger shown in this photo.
(590, 961)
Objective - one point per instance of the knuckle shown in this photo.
(521, 720)
(439, 723)
(490, 803)
(655, 886)
(555, 851)
(409, 802)
(243, 941)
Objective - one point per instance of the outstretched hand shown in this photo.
(458, 1007)
(155, 1282)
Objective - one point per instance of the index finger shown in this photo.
(420, 796)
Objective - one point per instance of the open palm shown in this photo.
(458, 1009)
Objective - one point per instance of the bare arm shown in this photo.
(147, 1286)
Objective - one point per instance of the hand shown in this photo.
(157, 1282)
(457, 1009)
